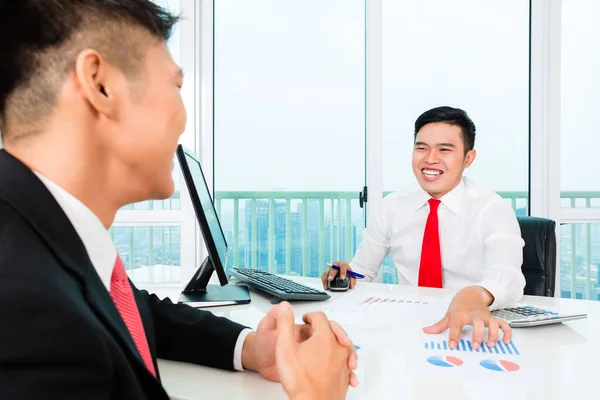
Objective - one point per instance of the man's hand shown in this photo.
(330, 274)
(259, 351)
(316, 368)
(470, 307)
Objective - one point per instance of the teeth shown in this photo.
(431, 173)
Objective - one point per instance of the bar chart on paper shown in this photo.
(466, 346)
(391, 305)
(381, 300)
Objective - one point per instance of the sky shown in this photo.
(289, 90)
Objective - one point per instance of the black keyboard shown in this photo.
(280, 287)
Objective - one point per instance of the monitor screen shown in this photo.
(208, 208)
(205, 212)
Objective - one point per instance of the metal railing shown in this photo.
(332, 211)
(336, 210)
(586, 282)
(328, 226)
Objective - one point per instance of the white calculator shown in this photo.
(522, 316)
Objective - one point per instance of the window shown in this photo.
(151, 254)
(289, 129)
(174, 7)
(155, 238)
(282, 134)
(580, 261)
(580, 197)
(468, 54)
(464, 54)
(580, 104)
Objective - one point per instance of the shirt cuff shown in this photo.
(356, 268)
(496, 291)
(237, 352)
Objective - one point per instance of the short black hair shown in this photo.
(42, 38)
(451, 116)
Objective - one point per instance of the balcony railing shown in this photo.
(328, 226)
(296, 233)
(326, 216)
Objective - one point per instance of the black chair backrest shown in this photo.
(539, 255)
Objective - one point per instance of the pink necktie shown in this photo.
(430, 269)
(122, 295)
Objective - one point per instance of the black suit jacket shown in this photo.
(61, 335)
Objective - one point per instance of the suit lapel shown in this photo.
(22, 189)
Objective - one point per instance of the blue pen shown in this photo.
(351, 273)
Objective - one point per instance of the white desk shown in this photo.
(563, 361)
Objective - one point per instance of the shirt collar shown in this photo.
(93, 234)
(452, 200)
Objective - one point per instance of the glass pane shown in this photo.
(580, 261)
(580, 101)
(464, 54)
(174, 43)
(151, 254)
(289, 105)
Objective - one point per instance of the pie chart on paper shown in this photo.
(445, 361)
(500, 365)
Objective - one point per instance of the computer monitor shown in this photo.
(198, 290)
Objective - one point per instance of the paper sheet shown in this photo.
(504, 363)
(398, 308)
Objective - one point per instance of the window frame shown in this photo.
(544, 120)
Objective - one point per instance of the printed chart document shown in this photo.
(372, 319)
(510, 362)
(427, 309)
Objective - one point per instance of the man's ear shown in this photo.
(470, 157)
(93, 75)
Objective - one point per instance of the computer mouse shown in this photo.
(339, 285)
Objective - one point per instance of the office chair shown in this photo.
(539, 255)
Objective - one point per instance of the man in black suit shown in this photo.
(90, 115)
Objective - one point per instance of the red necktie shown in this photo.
(122, 295)
(430, 268)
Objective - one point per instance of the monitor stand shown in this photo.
(198, 293)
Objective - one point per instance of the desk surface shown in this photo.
(556, 361)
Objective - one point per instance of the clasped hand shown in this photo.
(312, 360)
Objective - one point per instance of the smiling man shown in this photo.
(447, 232)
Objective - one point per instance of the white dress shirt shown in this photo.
(480, 240)
(100, 247)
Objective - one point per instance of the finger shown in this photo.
(506, 330)
(352, 282)
(353, 380)
(286, 345)
(269, 321)
(324, 278)
(492, 332)
(340, 334)
(318, 320)
(478, 327)
(439, 326)
(352, 358)
(456, 328)
(285, 324)
(343, 339)
(303, 332)
(343, 268)
(332, 273)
